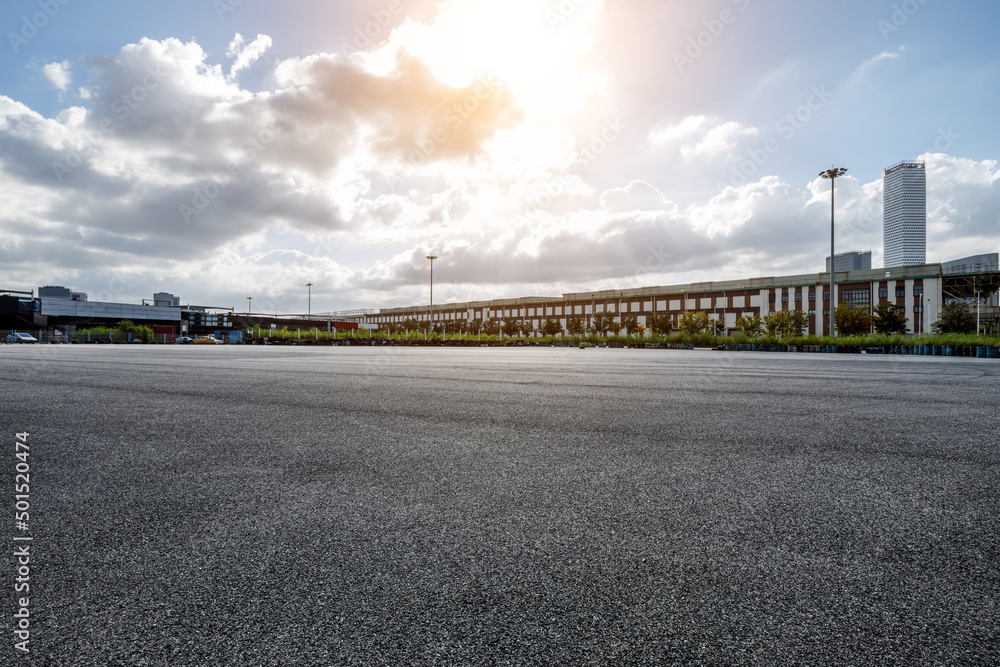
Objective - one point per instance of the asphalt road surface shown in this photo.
(367, 506)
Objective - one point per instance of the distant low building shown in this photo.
(60, 292)
(166, 299)
(851, 261)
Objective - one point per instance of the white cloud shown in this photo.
(680, 130)
(721, 139)
(245, 54)
(339, 173)
(872, 62)
(637, 196)
(59, 74)
(703, 136)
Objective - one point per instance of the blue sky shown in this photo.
(602, 144)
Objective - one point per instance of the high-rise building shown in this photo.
(904, 216)
(851, 261)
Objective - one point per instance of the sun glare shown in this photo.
(533, 47)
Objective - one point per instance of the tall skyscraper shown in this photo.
(904, 215)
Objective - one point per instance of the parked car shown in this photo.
(21, 338)
(207, 340)
(185, 340)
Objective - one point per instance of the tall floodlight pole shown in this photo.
(309, 310)
(832, 175)
(430, 324)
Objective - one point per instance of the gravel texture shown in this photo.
(372, 506)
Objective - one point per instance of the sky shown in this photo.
(220, 149)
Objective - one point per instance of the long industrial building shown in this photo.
(918, 291)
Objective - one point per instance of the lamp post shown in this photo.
(832, 175)
(309, 307)
(430, 324)
(725, 300)
(979, 307)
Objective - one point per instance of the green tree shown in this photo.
(491, 327)
(693, 323)
(527, 328)
(718, 327)
(661, 324)
(956, 317)
(773, 324)
(474, 326)
(145, 334)
(887, 320)
(796, 322)
(786, 323)
(852, 321)
(750, 325)
(630, 323)
(602, 322)
(552, 328)
(576, 326)
(511, 326)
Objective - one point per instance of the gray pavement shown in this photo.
(367, 506)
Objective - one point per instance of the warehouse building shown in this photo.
(918, 291)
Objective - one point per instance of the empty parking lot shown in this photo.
(258, 505)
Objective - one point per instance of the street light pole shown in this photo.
(832, 175)
(430, 324)
(979, 307)
(310, 302)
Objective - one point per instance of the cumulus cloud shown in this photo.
(172, 158)
(677, 131)
(637, 196)
(244, 54)
(59, 74)
(699, 136)
(720, 139)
